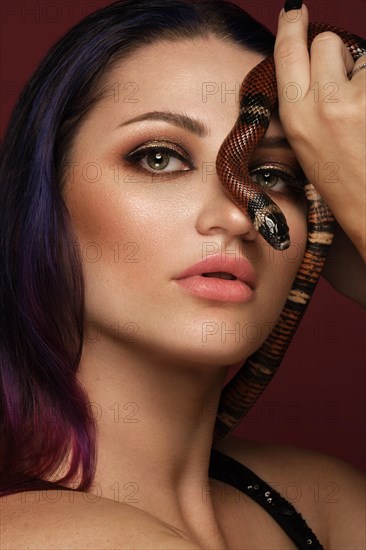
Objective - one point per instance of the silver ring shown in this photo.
(356, 69)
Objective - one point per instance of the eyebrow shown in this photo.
(199, 128)
(177, 119)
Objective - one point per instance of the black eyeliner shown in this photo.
(142, 151)
(293, 178)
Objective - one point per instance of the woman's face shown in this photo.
(141, 221)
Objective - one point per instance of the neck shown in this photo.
(155, 426)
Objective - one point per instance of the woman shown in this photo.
(101, 170)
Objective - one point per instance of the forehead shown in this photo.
(167, 58)
(200, 70)
(200, 77)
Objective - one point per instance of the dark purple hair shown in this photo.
(45, 412)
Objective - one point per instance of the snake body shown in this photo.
(258, 97)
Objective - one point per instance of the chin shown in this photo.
(217, 353)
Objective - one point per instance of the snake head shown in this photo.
(272, 225)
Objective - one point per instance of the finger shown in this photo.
(291, 54)
(330, 59)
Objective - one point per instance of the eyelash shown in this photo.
(292, 178)
(140, 153)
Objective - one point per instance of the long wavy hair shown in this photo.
(45, 414)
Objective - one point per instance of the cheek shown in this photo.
(282, 266)
(291, 258)
(102, 217)
(106, 240)
(121, 230)
(297, 220)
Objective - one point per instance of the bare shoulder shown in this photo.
(75, 521)
(329, 493)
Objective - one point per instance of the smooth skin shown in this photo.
(168, 379)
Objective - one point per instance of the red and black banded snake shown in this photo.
(258, 97)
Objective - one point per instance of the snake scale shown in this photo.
(257, 99)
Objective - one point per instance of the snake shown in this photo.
(258, 97)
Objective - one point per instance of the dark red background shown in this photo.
(317, 399)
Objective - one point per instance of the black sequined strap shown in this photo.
(228, 470)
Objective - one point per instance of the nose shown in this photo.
(219, 214)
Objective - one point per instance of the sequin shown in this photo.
(239, 476)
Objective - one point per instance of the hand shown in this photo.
(324, 118)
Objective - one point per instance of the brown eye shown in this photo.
(266, 178)
(278, 177)
(156, 158)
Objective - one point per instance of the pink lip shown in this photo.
(239, 290)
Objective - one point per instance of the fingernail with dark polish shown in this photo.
(292, 5)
